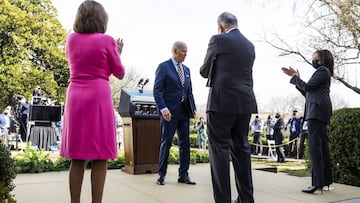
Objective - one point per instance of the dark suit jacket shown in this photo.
(316, 91)
(168, 90)
(228, 66)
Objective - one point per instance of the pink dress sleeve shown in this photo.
(116, 67)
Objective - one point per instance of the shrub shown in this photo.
(192, 140)
(7, 174)
(32, 161)
(117, 163)
(62, 164)
(344, 144)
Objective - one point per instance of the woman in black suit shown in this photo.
(318, 111)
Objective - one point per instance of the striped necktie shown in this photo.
(181, 74)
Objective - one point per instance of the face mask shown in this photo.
(315, 64)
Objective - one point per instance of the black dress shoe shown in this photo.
(186, 180)
(312, 189)
(160, 181)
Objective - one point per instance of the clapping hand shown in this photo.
(120, 44)
(290, 71)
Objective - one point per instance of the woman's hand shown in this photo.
(290, 71)
(120, 44)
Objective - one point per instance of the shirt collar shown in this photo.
(231, 29)
(175, 63)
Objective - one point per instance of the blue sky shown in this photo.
(149, 29)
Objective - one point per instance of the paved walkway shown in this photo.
(122, 187)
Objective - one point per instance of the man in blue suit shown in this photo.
(228, 66)
(172, 90)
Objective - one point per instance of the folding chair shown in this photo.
(272, 150)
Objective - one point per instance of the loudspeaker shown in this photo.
(44, 113)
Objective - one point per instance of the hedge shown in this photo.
(344, 145)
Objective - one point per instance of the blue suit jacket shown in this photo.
(168, 90)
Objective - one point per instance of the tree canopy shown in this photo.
(329, 24)
(32, 50)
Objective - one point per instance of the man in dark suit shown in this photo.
(294, 126)
(172, 88)
(228, 67)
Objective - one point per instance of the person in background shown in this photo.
(23, 111)
(201, 138)
(228, 67)
(294, 126)
(257, 129)
(88, 124)
(172, 88)
(318, 111)
(5, 125)
(268, 125)
(37, 95)
(279, 137)
(303, 137)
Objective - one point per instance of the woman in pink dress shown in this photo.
(89, 121)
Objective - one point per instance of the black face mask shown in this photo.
(315, 64)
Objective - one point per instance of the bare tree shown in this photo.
(333, 25)
(129, 81)
(286, 105)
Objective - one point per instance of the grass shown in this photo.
(294, 168)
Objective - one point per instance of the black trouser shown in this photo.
(23, 127)
(228, 133)
(319, 152)
(257, 141)
(303, 136)
(293, 145)
(279, 138)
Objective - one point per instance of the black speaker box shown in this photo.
(45, 113)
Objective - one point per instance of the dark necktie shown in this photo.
(181, 74)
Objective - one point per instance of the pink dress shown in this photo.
(89, 119)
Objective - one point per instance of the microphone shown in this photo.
(146, 82)
(140, 81)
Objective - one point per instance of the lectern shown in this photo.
(141, 127)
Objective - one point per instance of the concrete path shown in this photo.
(122, 187)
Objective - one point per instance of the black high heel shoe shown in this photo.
(312, 189)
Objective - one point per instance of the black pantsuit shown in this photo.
(319, 151)
(318, 111)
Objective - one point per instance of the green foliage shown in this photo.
(199, 156)
(192, 139)
(7, 174)
(32, 161)
(62, 164)
(196, 156)
(344, 144)
(25, 162)
(32, 50)
(173, 155)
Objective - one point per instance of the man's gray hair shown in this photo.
(177, 45)
(227, 19)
